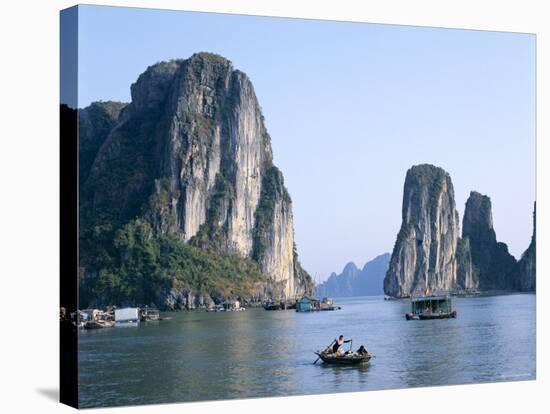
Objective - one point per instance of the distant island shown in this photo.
(181, 205)
(368, 281)
(430, 254)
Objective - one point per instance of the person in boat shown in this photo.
(362, 350)
(338, 343)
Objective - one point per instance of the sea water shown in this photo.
(194, 356)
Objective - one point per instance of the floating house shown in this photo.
(89, 314)
(328, 304)
(127, 317)
(233, 306)
(431, 307)
(307, 304)
(147, 314)
(95, 319)
(229, 306)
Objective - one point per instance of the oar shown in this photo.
(324, 351)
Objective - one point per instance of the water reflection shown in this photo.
(341, 375)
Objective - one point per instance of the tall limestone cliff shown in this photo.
(497, 268)
(191, 155)
(528, 262)
(425, 253)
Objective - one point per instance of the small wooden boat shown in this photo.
(99, 324)
(347, 358)
(329, 308)
(270, 306)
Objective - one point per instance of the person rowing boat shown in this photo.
(338, 343)
(333, 355)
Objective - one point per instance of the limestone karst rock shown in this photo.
(340, 285)
(467, 276)
(368, 281)
(191, 154)
(425, 253)
(497, 268)
(528, 261)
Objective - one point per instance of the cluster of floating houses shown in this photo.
(423, 307)
(231, 306)
(110, 317)
(427, 306)
(304, 304)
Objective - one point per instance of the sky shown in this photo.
(350, 107)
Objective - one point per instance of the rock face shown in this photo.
(497, 269)
(528, 262)
(95, 122)
(183, 297)
(467, 276)
(192, 154)
(425, 253)
(368, 281)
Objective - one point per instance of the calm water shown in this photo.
(205, 356)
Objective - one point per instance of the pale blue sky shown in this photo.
(350, 107)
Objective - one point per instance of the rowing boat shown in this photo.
(344, 359)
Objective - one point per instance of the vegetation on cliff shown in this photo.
(138, 265)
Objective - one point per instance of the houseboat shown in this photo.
(328, 304)
(88, 314)
(147, 314)
(282, 305)
(96, 319)
(233, 306)
(127, 317)
(229, 306)
(308, 304)
(431, 307)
